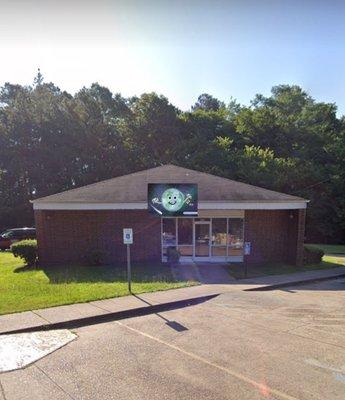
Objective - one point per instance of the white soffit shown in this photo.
(203, 205)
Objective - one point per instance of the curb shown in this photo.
(293, 283)
(114, 316)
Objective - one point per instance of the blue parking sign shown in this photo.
(128, 236)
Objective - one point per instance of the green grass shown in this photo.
(331, 248)
(254, 271)
(22, 288)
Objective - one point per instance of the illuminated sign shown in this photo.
(173, 199)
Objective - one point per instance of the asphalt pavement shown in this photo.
(280, 344)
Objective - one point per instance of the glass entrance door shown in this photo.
(202, 231)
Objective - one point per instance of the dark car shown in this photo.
(10, 236)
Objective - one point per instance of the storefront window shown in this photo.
(169, 232)
(185, 236)
(185, 231)
(218, 237)
(235, 237)
(185, 251)
(214, 237)
(218, 251)
(219, 231)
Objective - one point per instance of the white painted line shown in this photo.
(264, 389)
(21, 349)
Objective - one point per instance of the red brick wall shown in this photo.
(275, 235)
(300, 235)
(70, 236)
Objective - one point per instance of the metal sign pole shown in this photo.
(128, 240)
(129, 274)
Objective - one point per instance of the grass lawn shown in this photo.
(24, 289)
(331, 248)
(253, 271)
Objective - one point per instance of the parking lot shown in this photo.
(282, 344)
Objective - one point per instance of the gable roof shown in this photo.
(132, 188)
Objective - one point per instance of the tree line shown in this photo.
(52, 141)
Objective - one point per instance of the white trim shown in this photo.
(89, 206)
(220, 213)
(248, 205)
(209, 260)
(203, 205)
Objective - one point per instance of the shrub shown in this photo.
(312, 255)
(27, 250)
(173, 255)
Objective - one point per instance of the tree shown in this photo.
(207, 102)
(51, 141)
(151, 131)
(292, 125)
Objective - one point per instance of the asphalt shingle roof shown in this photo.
(132, 188)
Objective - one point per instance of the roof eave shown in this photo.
(142, 205)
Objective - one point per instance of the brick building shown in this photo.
(232, 217)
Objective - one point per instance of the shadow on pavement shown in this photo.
(172, 324)
(119, 315)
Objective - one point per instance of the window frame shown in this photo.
(209, 220)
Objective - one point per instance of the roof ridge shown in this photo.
(96, 183)
(146, 172)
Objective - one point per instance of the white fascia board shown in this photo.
(203, 205)
(89, 206)
(246, 205)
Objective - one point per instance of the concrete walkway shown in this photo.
(61, 314)
(205, 273)
(298, 277)
(54, 315)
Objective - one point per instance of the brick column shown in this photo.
(300, 236)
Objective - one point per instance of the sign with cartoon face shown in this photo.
(173, 199)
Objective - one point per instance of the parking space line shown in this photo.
(263, 388)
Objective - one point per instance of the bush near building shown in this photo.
(312, 255)
(27, 250)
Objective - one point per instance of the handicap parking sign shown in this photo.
(128, 236)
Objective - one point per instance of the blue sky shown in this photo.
(178, 48)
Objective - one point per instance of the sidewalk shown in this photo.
(59, 314)
(275, 281)
(99, 308)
